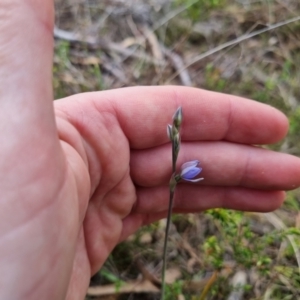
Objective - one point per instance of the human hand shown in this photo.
(75, 183)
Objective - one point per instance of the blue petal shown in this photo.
(194, 180)
(190, 173)
(192, 163)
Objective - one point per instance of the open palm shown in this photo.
(79, 176)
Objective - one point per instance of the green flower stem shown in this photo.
(174, 157)
(163, 279)
(174, 135)
(173, 182)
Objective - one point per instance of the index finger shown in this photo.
(144, 112)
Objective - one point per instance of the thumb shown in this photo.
(27, 124)
(26, 46)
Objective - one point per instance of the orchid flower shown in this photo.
(190, 170)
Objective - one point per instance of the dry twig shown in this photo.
(232, 43)
(102, 44)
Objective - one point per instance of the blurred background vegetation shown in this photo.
(232, 46)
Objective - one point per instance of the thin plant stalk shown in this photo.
(175, 138)
(163, 279)
(189, 171)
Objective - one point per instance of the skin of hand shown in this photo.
(80, 175)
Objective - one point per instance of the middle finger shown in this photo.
(223, 163)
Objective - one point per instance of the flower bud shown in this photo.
(177, 118)
(190, 170)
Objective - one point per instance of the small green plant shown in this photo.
(213, 80)
(213, 252)
(112, 278)
(173, 290)
(62, 51)
(198, 9)
(98, 75)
